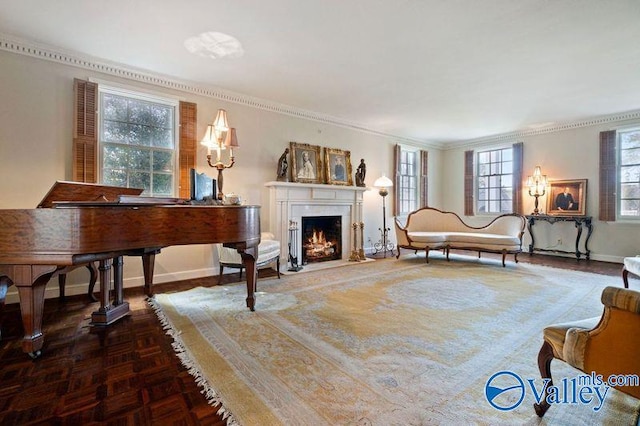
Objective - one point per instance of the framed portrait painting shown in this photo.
(567, 197)
(337, 166)
(306, 163)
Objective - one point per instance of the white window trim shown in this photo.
(133, 92)
(476, 176)
(633, 220)
(416, 151)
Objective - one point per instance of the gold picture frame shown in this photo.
(567, 197)
(337, 166)
(306, 162)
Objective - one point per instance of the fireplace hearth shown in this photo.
(321, 238)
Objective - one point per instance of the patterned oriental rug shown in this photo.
(387, 342)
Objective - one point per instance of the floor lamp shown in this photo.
(384, 245)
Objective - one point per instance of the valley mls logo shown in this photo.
(504, 390)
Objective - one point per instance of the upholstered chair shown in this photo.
(631, 264)
(605, 345)
(268, 253)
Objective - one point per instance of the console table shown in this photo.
(579, 222)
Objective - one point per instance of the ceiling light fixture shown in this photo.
(214, 45)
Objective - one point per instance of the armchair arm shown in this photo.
(610, 347)
(401, 234)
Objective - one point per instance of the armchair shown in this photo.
(268, 253)
(605, 345)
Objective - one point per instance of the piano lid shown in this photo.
(80, 191)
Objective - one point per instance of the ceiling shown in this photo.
(436, 71)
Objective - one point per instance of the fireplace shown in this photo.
(321, 238)
(291, 202)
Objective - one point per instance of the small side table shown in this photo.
(580, 222)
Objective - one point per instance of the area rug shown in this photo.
(387, 342)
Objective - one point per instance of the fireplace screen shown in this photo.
(321, 238)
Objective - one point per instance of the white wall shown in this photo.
(567, 154)
(36, 115)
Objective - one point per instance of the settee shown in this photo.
(432, 229)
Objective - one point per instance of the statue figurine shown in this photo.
(361, 172)
(283, 167)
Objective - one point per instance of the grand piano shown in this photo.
(84, 223)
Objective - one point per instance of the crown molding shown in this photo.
(54, 54)
(554, 128)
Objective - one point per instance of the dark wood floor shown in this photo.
(126, 373)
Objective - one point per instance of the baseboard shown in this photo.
(81, 288)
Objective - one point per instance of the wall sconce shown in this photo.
(219, 137)
(384, 244)
(537, 186)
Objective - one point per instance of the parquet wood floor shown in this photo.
(125, 374)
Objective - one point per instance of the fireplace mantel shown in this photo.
(289, 201)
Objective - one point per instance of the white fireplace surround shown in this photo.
(292, 201)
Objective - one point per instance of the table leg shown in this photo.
(579, 228)
(249, 259)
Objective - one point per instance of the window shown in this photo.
(629, 174)
(137, 142)
(407, 181)
(495, 181)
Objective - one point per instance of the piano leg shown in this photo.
(31, 281)
(108, 312)
(148, 263)
(249, 260)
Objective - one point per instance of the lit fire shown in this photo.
(318, 246)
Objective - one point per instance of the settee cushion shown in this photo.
(427, 237)
(479, 238)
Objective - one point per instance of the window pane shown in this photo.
(114, 131)
(630, 140)
(139, 159)
(495, 168)
(630, 207)
(482, 194)
(630, 174)
(483, 182)
(495, 156)
(494, 181)
(630, 156)
(507, 168)
(162, 161)
(140, 180)
(162, 184)
(630, 190)
(507, 155)
(114, 177)
(114, 108)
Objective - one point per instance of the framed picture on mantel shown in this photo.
(567, 197)
(337, 166)
(307, 163)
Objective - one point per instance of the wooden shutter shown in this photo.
(424, 178)
(468, 183)
(85, 131)
(396, 179)
(517, 178)
(607, 210)
(188, 147)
